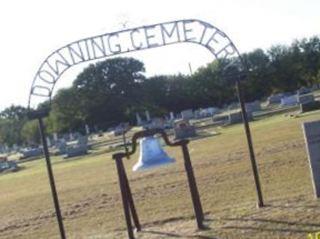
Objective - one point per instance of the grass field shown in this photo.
(91, 202)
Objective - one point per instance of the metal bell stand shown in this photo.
(127, 199)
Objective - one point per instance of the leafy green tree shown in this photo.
(12, 120)
(66, 112)
(14, 112)
(258, 84)
(102, 95)
(30, 133)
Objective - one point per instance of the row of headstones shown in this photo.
(174, 121)
(25, 151)
(185, 115)
(52, 141)
(179, 123)
(212, 111)
(69, 146)
(7, 166)
(302, 96)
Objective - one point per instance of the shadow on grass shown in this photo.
(264, 222)
(176, 235)
(203, 135)
(288, 223)
(261, 229)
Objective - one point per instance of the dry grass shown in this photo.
(91, 203)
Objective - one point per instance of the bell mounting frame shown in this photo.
(127, 198)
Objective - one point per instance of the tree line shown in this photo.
(112, 91)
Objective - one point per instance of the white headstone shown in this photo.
(312, 140)
(87, 129)
(48, 142)
(15, 147)
(55, 136)
(289, 100)
(171, 116)
(138, 118)
(148, 116)
(187, 114)
(71, 136)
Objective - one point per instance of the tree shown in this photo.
(66, 112)
(14, 112)
(102, 95)
(30, 133)
(258, 84)
(210, 85)
(12, 120)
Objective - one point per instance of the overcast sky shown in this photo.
(31, 30)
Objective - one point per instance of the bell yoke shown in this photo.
(151, 156)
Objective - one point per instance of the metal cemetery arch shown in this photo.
(140, 38)
(129, 40)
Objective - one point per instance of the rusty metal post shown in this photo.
(51, 179)
(250, 145)
(130, 199)
(193, 186)
(123, 190)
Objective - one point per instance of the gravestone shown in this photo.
(212, 110)
(139, 120)
(221, 119)
(233, 105)
(182, 129)
(8, 166)
(236, 117)
(157, 123)
(310, 106)
(148, 116)
(81, 148)
(31, 152)
(87, 129)
(197, 114)
(48, 141)
(82, 141)
(61, 145)
(312, 139)
(71, 136)
(275, 99)
(289, 100)
(172, 116)
(303, 90)
(253, 106)
(55, 137)
(315, 87)
(207, 112)
(303, 99)
(187, 114)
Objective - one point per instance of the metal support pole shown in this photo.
(124, 139)
(51, 179)
(193, 187)
(125, 202)
(130, 199)
(250, 145)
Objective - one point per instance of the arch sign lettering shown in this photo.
(129, 40)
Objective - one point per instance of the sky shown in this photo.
(31, 30)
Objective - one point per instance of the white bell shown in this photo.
(151, 155)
